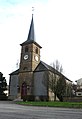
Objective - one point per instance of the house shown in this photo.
(32, 77)
(79, 87)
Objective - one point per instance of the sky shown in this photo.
(58, 29)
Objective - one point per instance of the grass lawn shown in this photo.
(53, 104)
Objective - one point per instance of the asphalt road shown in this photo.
(10, 110)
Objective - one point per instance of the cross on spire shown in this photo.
(32, 10)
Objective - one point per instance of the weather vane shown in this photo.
(32, 10)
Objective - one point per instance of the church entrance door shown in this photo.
(24, 91)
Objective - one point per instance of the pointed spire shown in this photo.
(31, 34)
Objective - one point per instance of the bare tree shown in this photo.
(56, 65)
(61, 87)
(52, 84)
(49, 81)
(57, 83)
(61, 69)
(17, 64)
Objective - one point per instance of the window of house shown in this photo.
(36, 51)
(79, 94)
(26, 49)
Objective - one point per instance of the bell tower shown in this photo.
(30, 51)
(29, 59)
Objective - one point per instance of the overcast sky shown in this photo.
(58, 29)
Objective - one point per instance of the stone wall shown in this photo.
(73, 99)
(13, 88)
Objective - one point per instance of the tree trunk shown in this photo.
(54, 96)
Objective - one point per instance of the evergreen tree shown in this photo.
(3, 84)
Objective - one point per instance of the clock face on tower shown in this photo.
(25, 57)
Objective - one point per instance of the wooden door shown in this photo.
(24, 90)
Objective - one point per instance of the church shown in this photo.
(31, 80)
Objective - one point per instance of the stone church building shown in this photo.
(32, 77)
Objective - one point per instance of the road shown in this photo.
(10, 110)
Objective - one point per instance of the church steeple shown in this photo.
(30, 51)
(31, 34)
(29, 60)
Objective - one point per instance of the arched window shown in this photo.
(25, 68)
(36, 51)
(26, 49)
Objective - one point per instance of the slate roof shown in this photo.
(42, 66)
(30, 42)
(15, 72)
(31, 35)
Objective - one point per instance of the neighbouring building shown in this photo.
(33, 75)
(79, 87)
